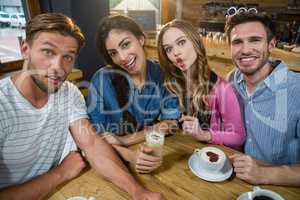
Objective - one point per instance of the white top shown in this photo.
(31, 139)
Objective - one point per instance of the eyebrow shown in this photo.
(54, 46)
(120, 43)
(179, 38)
(248, 38)
(50, 44)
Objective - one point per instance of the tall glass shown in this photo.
(155, 140)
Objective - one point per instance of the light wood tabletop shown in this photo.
(173, 179)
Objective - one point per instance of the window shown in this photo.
(12, 24)
(145, 12)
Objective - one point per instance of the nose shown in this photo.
(176, 51)
(246, 48)
(58, 65)
(122, 56)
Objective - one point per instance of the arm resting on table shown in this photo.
(102, 157)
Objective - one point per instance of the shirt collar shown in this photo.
(278, 76)
(273, 80)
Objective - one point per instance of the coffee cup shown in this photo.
(155, 140)
(264, 194)
(211, 159)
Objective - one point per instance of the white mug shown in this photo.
(257, 191)
(204, 160)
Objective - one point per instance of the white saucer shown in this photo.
(224, 173)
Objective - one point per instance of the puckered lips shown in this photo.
(180, 62)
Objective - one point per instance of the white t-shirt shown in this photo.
(31, 139)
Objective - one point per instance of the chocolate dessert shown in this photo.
(262, 197)
(213, 157)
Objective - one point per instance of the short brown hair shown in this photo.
(115, 22)
(245, 17)
(54, 22)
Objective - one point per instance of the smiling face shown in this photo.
(50, 57)
(179, 48)
(250, 48)
(126, 50)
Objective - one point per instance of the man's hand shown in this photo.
(144, 162)
(143, 194)
(71, 166)
(247, 169)
(191, 126)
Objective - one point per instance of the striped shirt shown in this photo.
(272, 116)
(31, 139)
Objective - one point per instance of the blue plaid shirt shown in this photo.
(148, 104)
(272, 116)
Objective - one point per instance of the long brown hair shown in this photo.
(174, 78)
(119, 81)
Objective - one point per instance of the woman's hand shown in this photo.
(191, 126)
(144, 162)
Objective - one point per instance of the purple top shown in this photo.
(226, 123)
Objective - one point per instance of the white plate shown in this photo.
(224, 173)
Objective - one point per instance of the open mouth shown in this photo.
(54, 79)
(131, 63)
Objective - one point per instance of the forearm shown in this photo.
(37, 188)
(165, 126)
(102, 157)
(227, 138)
(106, 163)
(125, 153)
(281, 175)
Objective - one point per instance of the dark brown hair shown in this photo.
(119, 81)
(54, 22)
(115, 22)
(245, 17)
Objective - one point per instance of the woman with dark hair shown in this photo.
(127, 98)
(212, 111)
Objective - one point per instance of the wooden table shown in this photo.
(174, 179)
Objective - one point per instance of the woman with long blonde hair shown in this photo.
(211, 110)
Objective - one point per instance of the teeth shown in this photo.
(53, 78)
(247, 59)
(131, 62)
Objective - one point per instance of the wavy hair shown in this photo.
(174, 78)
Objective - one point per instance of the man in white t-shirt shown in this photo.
(39, 110)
